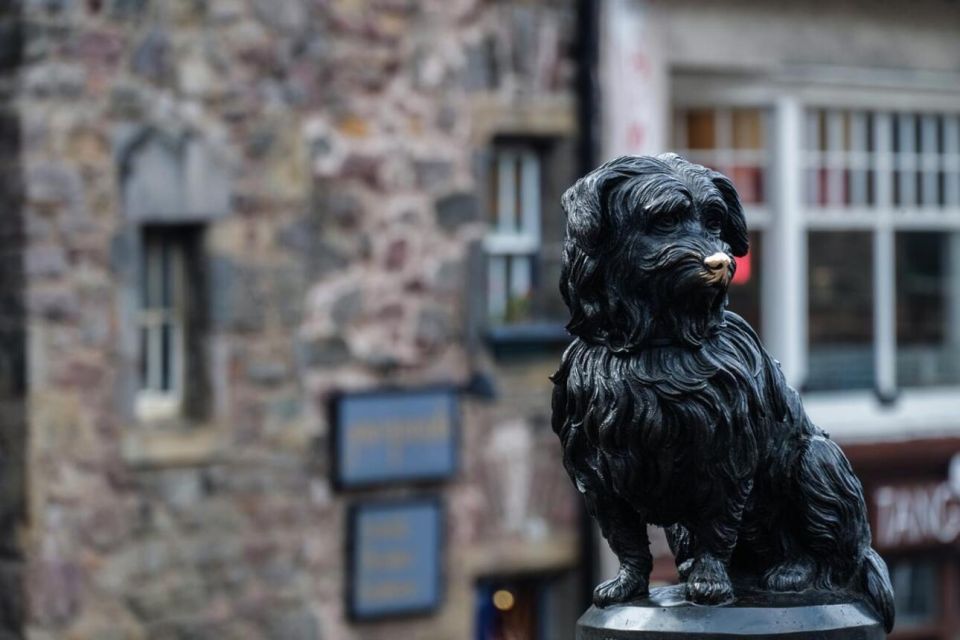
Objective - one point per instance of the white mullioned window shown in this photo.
(860, 265)
(882, 206)
(162, 323)
(514, 241)
(859, 211)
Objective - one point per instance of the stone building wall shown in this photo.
(349, 137)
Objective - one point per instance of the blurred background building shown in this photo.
(839, 124)
(278, 298)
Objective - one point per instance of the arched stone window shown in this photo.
(172, 185)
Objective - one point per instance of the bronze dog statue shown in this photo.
(670, 412)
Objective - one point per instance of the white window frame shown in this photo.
(849, 415)
(153, 402)
(884, 218)
(514, 242)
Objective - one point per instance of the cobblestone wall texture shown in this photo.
(353, 131)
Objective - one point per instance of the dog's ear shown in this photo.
(734, 229)
(581, 277)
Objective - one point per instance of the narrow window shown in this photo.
(169, 321)
(513, 244)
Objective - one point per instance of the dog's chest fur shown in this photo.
(670, 427)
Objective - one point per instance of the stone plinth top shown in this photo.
(666, 614)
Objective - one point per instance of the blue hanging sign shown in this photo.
(394, 436)
(394, 558)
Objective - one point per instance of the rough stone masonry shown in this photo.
(345, 139)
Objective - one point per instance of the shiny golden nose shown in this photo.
(718, 267)
(717, 261)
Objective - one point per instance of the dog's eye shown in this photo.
(713, 223)
(667, 222)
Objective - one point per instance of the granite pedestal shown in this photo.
(665, 614)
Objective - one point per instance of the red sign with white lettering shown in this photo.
(916, 515)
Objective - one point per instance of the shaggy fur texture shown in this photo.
(671, 413)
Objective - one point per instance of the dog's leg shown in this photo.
(835, 528)
(620, 524)
(714, 540)
(626, 532)
(681, 545)
(829, 501)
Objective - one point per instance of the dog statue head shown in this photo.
(649, 251)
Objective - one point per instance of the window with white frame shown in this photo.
(164, 320)
(882, 208)
(514, 241)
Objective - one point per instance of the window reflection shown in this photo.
(840, 272)
(928, 308)
(915, 592)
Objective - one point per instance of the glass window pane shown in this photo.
(523, 180)
(497, 288)
(152, 271)
(840, 276)
(529, 189)
(154, 357)
(749, 183)
(520, 279)
(928, 308)
(701, 129)
(845, 131)
(517, 194)
(166, 356)
(748, 129)
(814, 143)
(493, 191)
(166, 274)
(916, 592)
(145, 276)
(163, 321)
(821, 129)
(506, 203)
(144, 353)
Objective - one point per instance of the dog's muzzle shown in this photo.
(717, 268)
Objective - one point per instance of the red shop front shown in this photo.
(913, 495)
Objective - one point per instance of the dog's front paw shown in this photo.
(627, 585)
(795, 575)
(708, 582)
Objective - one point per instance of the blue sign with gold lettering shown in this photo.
(394, 558)
(394, 436)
